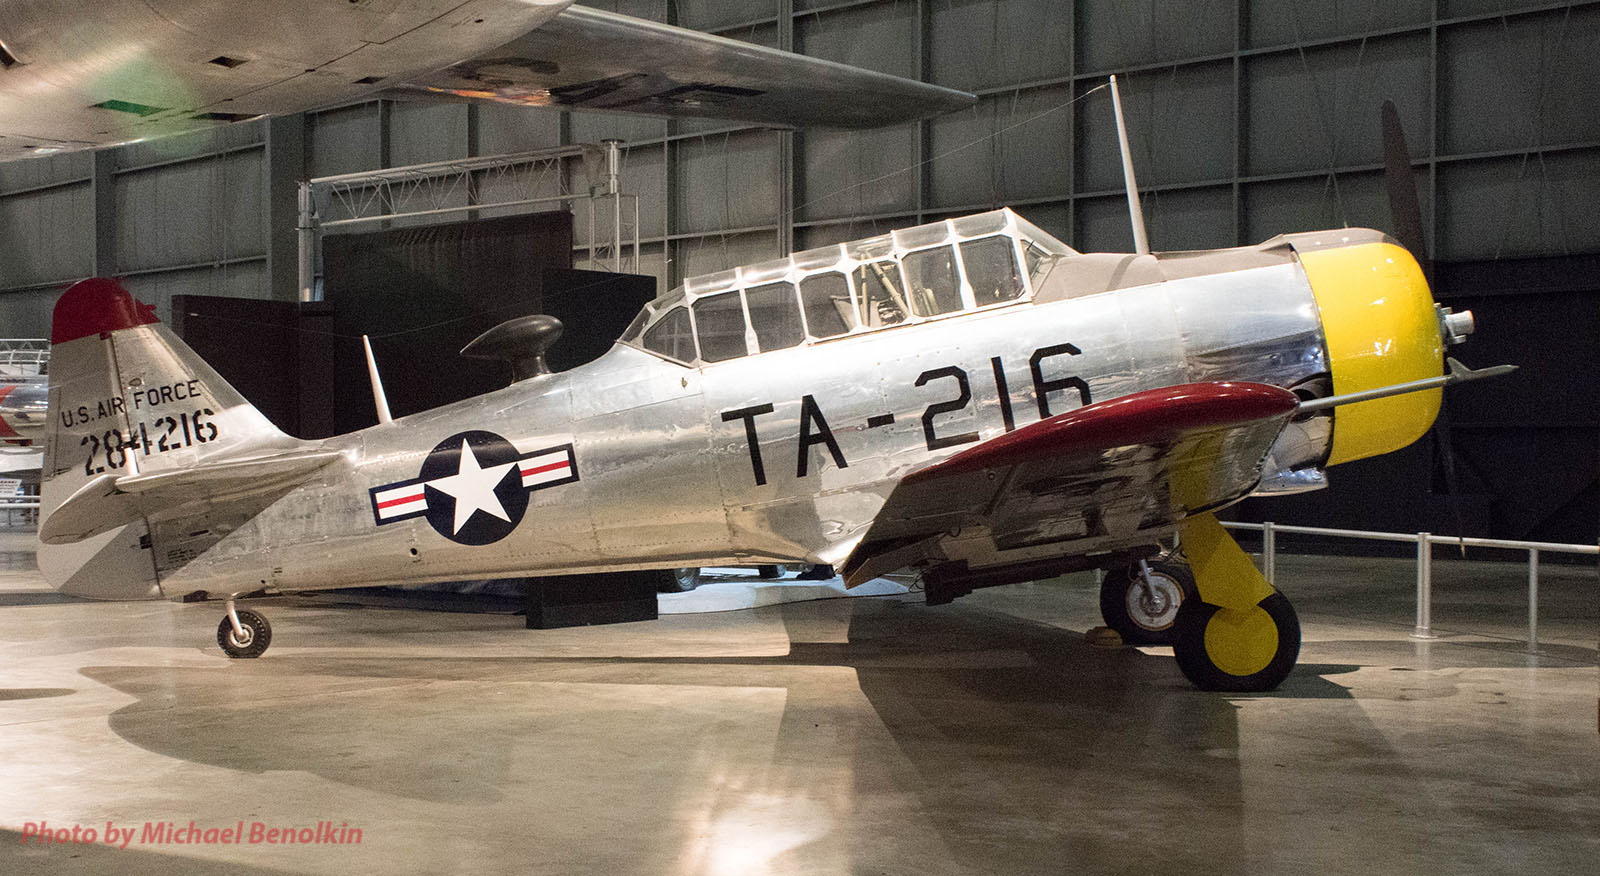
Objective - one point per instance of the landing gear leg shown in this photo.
(1240, 634)
(243, 633)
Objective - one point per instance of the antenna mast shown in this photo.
(1141, 242)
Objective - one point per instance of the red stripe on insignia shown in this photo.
(403, 500)
(544, 468)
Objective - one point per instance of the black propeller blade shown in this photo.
(1405, 210)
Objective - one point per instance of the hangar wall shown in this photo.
(1247, 118)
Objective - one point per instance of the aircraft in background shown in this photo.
(24, 367)
(971, 399)
(75, 78)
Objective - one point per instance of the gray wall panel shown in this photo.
(590, 127)
(506, 129)
(1116, 33)
(1282, 206)
(1180, 128)
(192, 212)
(652, 262)
(977, 44)
(184, 146)
(1285, 22)
(1513, 206)
(1521, 83)
(1320, 108)
(27, 314)
(715, 14)
(48, 170)
(726, 181)
(1506, 87)
(343, 140)
(1176, 219)
(880, 36)
(247, 280)
(421, 132)
(832, 233)
(856, 172)
(1028, 156)
(1053, 218)
(655, 10)
(47, 236)
(1190, 218)
(1101, 225)
(704, 255)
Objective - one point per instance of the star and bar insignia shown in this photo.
(473, 487)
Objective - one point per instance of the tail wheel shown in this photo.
(1146, 616)
(256, 635)
(1245, 650)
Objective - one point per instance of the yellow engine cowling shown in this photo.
(1381, 328)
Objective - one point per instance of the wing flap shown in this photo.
(592, 59)
(1104, 472)
(110, 501)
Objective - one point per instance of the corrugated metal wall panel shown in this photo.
(47, 235)
(180, 214)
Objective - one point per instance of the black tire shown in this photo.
(258, 635)
(681, 580)
(1200, 667)
(769, 572)
(1125, 608)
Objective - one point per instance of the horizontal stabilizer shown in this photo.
(110, 501)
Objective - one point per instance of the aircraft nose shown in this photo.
(1381, 328)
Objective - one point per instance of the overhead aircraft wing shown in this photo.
(1098, 475)
(73, 78)
(592, 59)
(110, 501)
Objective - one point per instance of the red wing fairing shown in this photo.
(1098, 475)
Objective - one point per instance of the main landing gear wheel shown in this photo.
(1145, 615)
(1229, 649)
(250, 640)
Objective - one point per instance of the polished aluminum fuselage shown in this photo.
(666, 472)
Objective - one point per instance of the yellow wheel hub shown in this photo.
(1241, 641)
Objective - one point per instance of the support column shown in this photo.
(284, 167)
(102, 184)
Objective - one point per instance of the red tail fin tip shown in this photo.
(95, 306)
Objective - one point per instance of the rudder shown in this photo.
(126, 397)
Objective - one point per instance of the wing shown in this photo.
(1105, 476)
(78, 73)
(591, 59)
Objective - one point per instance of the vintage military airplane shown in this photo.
(81, 74)
(971, 398)
(23, 408)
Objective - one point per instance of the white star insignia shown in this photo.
(473, 486)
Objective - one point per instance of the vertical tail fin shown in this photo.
(128, 397)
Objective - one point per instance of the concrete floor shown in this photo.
(867, 736)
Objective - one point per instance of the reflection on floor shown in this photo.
(866, 735)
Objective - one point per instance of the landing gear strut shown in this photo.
(243, 633)
(1240, 634)
(1140, 601)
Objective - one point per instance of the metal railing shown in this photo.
(1424, 542)
(11, 506)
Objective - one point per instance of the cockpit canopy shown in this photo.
(902, 278)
